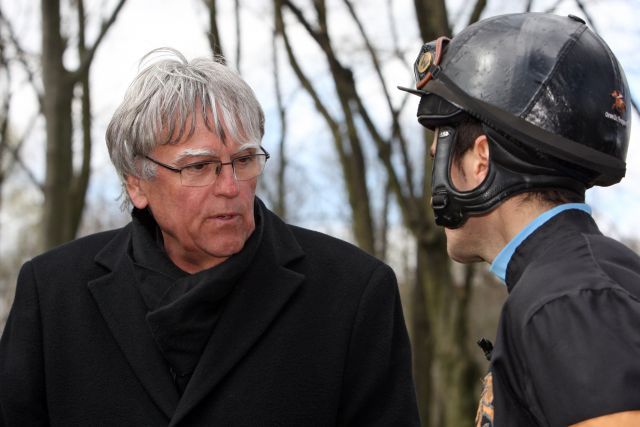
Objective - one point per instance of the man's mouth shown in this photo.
(226, 216)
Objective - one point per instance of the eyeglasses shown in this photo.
(201, 174)
(428, 63)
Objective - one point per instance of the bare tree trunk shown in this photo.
(347, 143)
(81, 179)
(4, 116)
(214, 35)
(280, 207)
(446, 375)
(422, 344)
(451, 376)
(10, 146)
(433, 21)
(236, 14)
(477, 11)
(383, 233)
(64, 189)
(58, 95)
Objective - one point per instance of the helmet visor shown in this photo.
(435, 111)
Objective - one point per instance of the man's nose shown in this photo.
(226, 183)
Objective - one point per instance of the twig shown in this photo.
(21, 56)
(90, 53)
(396, 130)
(591, 23)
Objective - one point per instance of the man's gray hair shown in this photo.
(161, 104)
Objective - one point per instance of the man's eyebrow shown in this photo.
(195, 152)
(247, 146)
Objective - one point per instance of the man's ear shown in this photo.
(136, 192)
(481, 158)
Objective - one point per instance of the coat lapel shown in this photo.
(252, 307)
(124, 311)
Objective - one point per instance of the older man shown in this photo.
(206, 309)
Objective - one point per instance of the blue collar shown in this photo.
(500, 263)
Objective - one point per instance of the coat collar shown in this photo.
(124, 311)
(263, 291)
(552, 237)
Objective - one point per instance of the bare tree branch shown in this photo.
(14, 150)
(307, 86)
(384, 225)
(396, 129)
(349, 147)
(238, 32)
(393, 29)
(214, 35)
(21, 56)
(334, 127)
(432, 18)
(281, 202)
(553, 8)
(346, 92)
(6, 105)
(398, 53)
(4, 114)
(477, 11)
(409, 207)
(304, 81)
(85, 62)
(80, 180)
(586, 14)
(592, 24)
(18, 160)
(529, 6)
(301, 18)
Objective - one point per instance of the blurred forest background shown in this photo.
(348, 156)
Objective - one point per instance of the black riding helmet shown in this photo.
(550, 95)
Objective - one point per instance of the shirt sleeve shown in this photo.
(22, 382)
(583, 355)
(378, 388)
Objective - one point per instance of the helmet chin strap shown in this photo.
(505, 178)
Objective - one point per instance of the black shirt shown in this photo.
(568, 341)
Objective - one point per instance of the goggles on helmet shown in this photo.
(428, 63)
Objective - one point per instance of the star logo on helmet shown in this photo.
(618, 104)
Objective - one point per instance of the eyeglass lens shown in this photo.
(244, 168)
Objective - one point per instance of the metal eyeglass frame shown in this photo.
(218, 169)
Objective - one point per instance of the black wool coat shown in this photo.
(312, 335)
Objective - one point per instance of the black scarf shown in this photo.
(183, 308)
